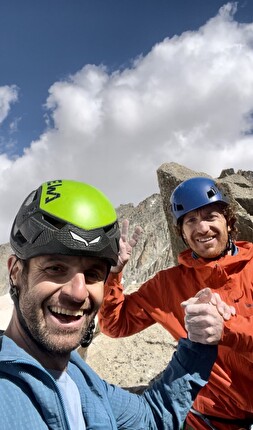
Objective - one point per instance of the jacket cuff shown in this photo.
(196, 357)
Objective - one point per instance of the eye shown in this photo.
(190, 220)
(55, 269)
(95, 275)
(211, 216)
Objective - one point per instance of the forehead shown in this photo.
(214, 207)
(70, 260)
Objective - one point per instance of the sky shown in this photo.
(106, 91)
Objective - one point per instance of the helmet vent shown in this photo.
(54, 222)
(20, 239)
(107, 228)
(111, 229)
(31, 198)
(211, 193)
(179, 207)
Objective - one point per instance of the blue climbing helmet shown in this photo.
(193, 194)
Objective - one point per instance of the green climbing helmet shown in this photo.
(66, 217)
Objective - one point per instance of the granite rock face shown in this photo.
(153, 252)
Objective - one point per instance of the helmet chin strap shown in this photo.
(14, 293)
(230, 244)
(88, 337)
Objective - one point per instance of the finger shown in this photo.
(223, 308)
(205, 330)
(136, 236)
(227, 312)
(202, 296)
(204, 290)
(199, 322)
(215, 299)
(232, 310)
(124, 230)
(201, 309)
(191, 301)
(137, 232)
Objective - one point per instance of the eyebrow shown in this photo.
(101, 264)
(54, 257)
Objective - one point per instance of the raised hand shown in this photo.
(126, 245)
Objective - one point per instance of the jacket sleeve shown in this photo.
(122, 314)
(126, 314)
(167, 402)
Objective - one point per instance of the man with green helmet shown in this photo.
(205, 219)
(65, 239)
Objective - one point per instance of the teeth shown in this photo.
(205, 240)
(58, 310)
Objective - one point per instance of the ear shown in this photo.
(184, 237)
(183, 234)
(14, 268)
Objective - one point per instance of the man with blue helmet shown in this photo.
(65, 238)
(206, 221)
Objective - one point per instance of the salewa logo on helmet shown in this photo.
(81, 239)
(51, 191)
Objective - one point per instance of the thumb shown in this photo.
(204, 296)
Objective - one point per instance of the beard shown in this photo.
(56, 341)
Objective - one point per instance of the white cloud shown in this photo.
(8, 95)
(190, 100)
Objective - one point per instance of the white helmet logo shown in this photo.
(81, 239)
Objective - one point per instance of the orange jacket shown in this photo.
(228, 393)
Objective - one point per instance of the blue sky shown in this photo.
(44, 41)
(105, 91)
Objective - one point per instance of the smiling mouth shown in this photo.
(204, 240)
(66, 315)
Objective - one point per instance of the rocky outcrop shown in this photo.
(153, 252)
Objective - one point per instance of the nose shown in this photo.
(203, 226)
(76, 288)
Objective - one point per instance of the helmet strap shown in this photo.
(87, 338)
(14, 293)
(229, 246)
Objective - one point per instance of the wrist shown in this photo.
(116, 269)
